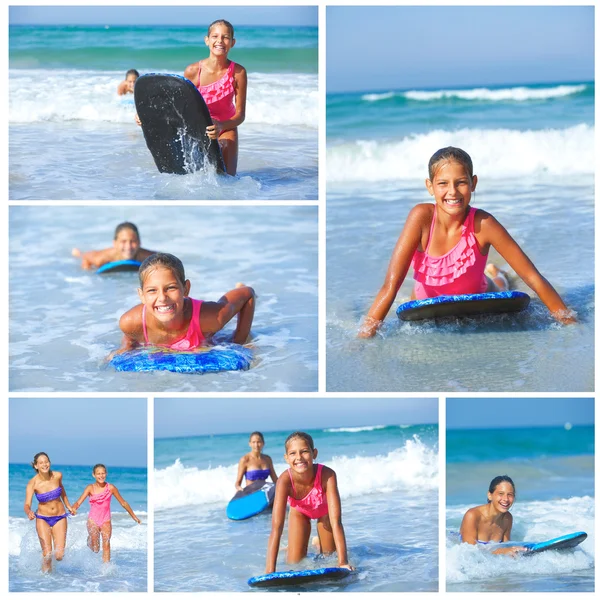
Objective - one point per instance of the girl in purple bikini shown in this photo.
(255, 465)
(53, 508)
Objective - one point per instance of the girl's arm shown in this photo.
(80, 500)
(131, 326)
(406, 245)
(282, 490)
(240, 473)
(500, 239)
(272, 469)
(239, 301)
(29, 498)
(335, 517)
(93, 258)
(123, 503)
(63, 495)
(468, 527)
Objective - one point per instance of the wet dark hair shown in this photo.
(99, 466)
(131, 72)
(35, 458)
(449, 154)
(300, 435)
(498, 480)
(127, 225)
(162, 259)
(221, 22)
(259, 434)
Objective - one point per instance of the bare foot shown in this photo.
(497, 276)
(76, 252)
(316, 544)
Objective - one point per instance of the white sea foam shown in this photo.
(69, 95)
(414, 466)
(516, 94)
(355, 429)
(499, 153)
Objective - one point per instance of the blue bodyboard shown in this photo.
(119, 266)
(205, 360)
(463, 305)
(288, 578)
(560, 543)
(174, 119)
(252, 500)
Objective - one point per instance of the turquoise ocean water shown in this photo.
(80, 570)
(62, 97)
(553, 472)
(387, 476)
(532, 147)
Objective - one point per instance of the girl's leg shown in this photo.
(497, 281)
(93, 540)
(44, 532)
(298, 535)
(59, 536)
(325, 532)
(106, 531)
(228, 141)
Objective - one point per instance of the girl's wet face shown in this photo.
(219, 40)
(452, 187)
(100, 475)
(163, 294)
(126, 244)
(42, 464)
(299, 455)
(256, 443)
(503, 496)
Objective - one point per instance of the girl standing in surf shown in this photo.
(447, 245)
(223, 86)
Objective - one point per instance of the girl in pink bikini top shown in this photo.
(219, 95)
(460, 270)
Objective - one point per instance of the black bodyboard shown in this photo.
(174, 119)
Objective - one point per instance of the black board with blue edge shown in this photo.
(119, 266)
(174, 119)
(206, 360)
(290, 578)
(463, 305)
(254, 499)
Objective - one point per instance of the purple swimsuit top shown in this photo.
(48, 496)
(257, 474)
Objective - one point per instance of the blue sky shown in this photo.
(382, 48)
(202, 416)
(79, 431)
(491, 413)
(162, 15)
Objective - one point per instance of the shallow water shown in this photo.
(274, 249)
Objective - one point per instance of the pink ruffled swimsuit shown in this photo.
(219, 95)
(191, 340)
(314, 504)
(460, 271)
(100, 506)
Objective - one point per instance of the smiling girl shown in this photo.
(223, 85)
(255, 465)
(492, 522)
(312, 493)
(447, 245)
(168, 317)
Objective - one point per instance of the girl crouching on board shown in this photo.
(312, 493)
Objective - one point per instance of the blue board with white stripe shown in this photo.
(560, 543)
(289, 578)
(119, 266)
(463, 305)
(252, 500)
(204, 360)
